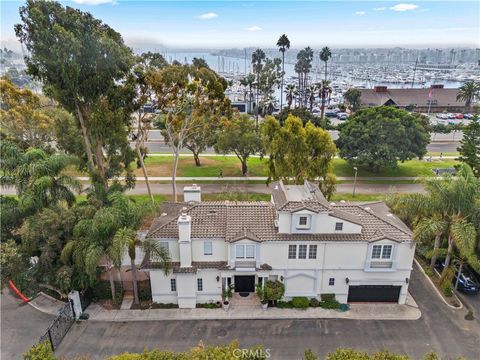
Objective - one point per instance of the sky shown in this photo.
(237, 24)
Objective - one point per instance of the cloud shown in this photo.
(254, 28)
(95, 2)
(207, 16)
(380, 9)
(404, 7)
(360, 13)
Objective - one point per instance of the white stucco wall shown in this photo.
(212, 290)
(160, 285)
(219, 250)
(319, 223)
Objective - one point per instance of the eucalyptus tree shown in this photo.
(146, 63)
(126, 240)
(83, 65)
(269, 79)
(190, 100)
(258, 58)
(325, 55)
(470, 146)
(283, 44)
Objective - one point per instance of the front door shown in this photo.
(245, 283)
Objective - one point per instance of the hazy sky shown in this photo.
(260, 23)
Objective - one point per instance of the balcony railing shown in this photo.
(381, 264)
(239, 264)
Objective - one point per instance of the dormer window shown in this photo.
(338, 226)
(303, 222)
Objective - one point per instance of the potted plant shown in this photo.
(226, 294)
(262, 295)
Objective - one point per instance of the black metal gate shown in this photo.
(60, 326)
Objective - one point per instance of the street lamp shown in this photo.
(355, 180)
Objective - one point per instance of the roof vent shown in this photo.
(333, 204)
(163, 214)
(184, 208)
(276, 187)
(368, 209)
(390, 215)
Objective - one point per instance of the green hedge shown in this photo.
(300, 302)
(101, 291)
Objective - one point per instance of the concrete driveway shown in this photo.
(440, 329)
(22, 326)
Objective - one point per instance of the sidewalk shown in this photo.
(46, 304)
(377, 311)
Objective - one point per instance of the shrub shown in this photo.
(285, 304)
(327, 297)
(300, 302)
(164, 306)
(309, 355)
(207, 306)
(273, 290)
(101, 290)
(144, 290)
(42, 351)
(469, 315)
(447, 290)
(314, 302)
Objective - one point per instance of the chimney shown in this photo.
(184, 240)
(192, 194)
(380, 89)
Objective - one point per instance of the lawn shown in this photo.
(358, 197)
(230, 166)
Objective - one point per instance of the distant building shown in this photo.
(434, 99)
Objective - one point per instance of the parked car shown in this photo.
(330, 113)
(342, 116)
(442, 116)
(450, 116)
(459, 116)
(469, 280)
(468, 116)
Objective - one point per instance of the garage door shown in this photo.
(373, 293)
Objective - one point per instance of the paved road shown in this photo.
(22, 326)
(472, 302)
(140, 188)
(440, 329)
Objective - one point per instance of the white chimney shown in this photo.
(192, 193)
(184, 240)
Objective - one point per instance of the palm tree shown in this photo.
(324, 91)
(469, 92)
(258, 57)
(290, 93)
(38, 177)
(312, 89)
(447, 211)
(127, 240)
(325, 55)
(283, 45)
(248, 82)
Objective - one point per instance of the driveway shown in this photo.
(22, 326)
(440, 329)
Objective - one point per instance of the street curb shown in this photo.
(437, 291)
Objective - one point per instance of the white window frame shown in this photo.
(302, 251)
(292, 246)
(301, 226)
(199, 284)
(173, 285)
(311, 251)
(208, 247)
(245, 254)
(381, 253)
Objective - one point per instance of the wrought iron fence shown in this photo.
(84, 300)
(60, 326)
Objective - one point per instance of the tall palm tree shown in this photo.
(127, 240)
(258, 57)
(325, 55)
(325, 90)
(248, 82)
(290, 90)
(469, 92)
(283, 44)
(312, 91)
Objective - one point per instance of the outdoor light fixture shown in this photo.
(281, 278)
(347, 280)
(218, 278)
(406, 280)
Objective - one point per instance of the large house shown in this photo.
(359, 252)
(435, 99)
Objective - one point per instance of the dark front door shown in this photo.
(373, 293)
(245, 283)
